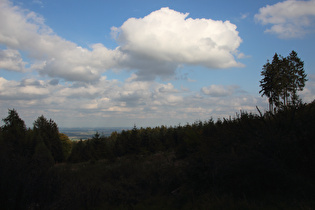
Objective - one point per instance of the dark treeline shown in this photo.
(25, 155)
(246, 162)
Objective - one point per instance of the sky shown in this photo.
(121, 63)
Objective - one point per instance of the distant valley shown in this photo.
(76, 134)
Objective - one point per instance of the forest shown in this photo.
(249, 161)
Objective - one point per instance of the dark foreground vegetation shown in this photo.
(247, 162)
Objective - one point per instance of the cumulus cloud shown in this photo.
(171, 38)
(27, 89)
(51, 55)
(11, 60)
(80, 64)
(289, 19)
(155, 45)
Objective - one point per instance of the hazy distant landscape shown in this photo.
(76, 134)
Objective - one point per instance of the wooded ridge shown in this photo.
(246, 162)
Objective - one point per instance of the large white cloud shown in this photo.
(155, 45)
(170, 38)
(51, 55)
(289, 19)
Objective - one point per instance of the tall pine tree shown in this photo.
(48, 132)
(14, 131)
(282, 78)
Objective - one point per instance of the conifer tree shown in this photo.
(269, 83)
(282, 78)
(298, 76)
(14, 130)
(48, 132)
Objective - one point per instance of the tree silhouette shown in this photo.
(282, 78)
(297, 76)
(48, 132)
(14, 130)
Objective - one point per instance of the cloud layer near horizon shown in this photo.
(114, 103)
(68, 82)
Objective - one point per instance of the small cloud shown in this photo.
(11, 60)
(133, 77)
(38, 2)
(54, 82)
(289, 19)
(242, 56)
(31, 82)
(191, 80)
(219, 90)
(184, 89)
(244, 15)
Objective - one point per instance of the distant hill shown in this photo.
(84, 133)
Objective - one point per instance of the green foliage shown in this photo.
(66, 144)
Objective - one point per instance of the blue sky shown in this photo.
(150, 63)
